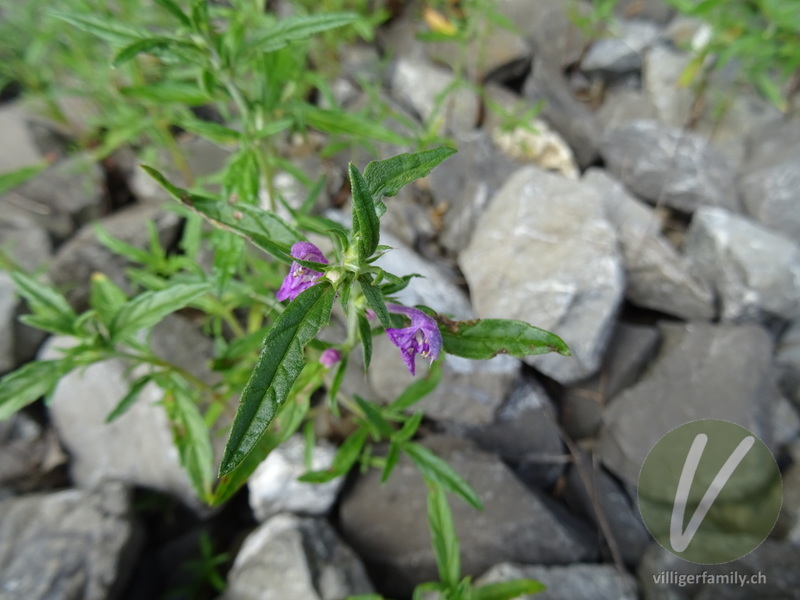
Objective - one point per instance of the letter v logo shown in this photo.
(709, 491)
(679, 539)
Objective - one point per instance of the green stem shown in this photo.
(158, 362)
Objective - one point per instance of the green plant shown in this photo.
(249, 66)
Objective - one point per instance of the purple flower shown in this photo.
(422, 336)
(301, 278)
(329, 357)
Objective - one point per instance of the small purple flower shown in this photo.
(301, 278)
(422, 336)
(329, 357)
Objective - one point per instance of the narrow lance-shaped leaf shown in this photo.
(481, 339)
(435, 470)
(29, 383)
(443, 536)
(280, 363)
(366, 228)
(191, 438)
(264, 229)
(105, 28)
(289, 419)
(149, 308)
(175, 10)
(336, 122)
(12, 179)
(147, 45)
(50, 308)
(375, 300)
(299, 28)
(128, 399)
(386, 177)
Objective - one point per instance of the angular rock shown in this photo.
(386, 525)
(540, 146)
(629, 351)
(563, 112)
(573, 582)
(274, 488)
(494, 50)
(23, 240)
(787, 361)
(28, 455)
(621, 105)
(755, 272)
(550, 26)
(67, 545)
(433, 288)
(83, 254)
(61, 198)
(19, 147)
(525, 435)
(465, 183)
(671, 166)
(789, 521)
(470, 390)
(589, 489)
(772, 178)
(661, 70)
(136, 448)
(657, 277)
(302, 559)
(702, 372)
(416, 84)
(769, 569)
(544, 253)
(410, 218)
(621, 54)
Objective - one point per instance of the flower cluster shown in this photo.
(421, 337)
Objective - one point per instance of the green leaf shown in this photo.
(175, 11)
(147, 309)
(280, 363)
(210, 130)
(373, 416)
(337, 122)
(365, 333)
(105, 28)
(47, 304)
(481, 339)
(263, 228)
(147, 45)
(437, 471)
(386, 177)
(418, 389)
(299, 28)
(12, 179)
(167, 91)
(106, 298)
(346, 457)
(117, 246)
(29, 383)
(392, 457)
(129, 399)
(192, 438)
(443, 536)
(409, 428)
(507, 590)
(366, 227)
(289, 419)
(375, 300)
